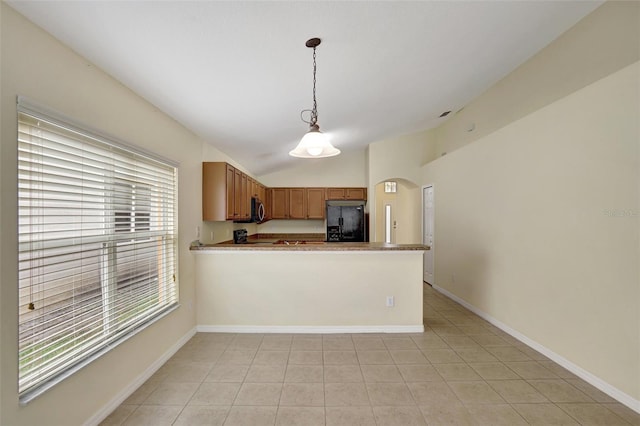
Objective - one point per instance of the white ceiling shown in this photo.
(238, 73)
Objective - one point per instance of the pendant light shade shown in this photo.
(314, 144)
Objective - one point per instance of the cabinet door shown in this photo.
(315, 203)
(237, 193)
(355, 193)
(335, 193)
(297, 203)
(244, 196)
(267, 203)
(231, 172)
(279, 203)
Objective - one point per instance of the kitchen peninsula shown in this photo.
(309, 287)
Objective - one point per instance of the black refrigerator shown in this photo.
(345, 223)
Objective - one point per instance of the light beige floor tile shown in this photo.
(302, 394)
(399, 343)
(227, 373)
(199, 353)
(153, 415)
(342, 374)
(304, 374)
(369, 344)
(187, 371)
(202, 416)
(447, 330)
(517, 391)
(300, 416)
(544, 414)
(119, 415)
(456, 372)
(259, 394)
(236, 357)
(271, 358)
(495, 415)
(508, 353)
(494, 371)
(475, 355)
(458, 342)
(340, 357)
(588, 414)
(530, 370)
(246, 342)
(451, 413)
(306, 343)
(489, 339)
(475, 393)
(474, 330)
(265, 373)
(625, 412)
(430, 341)
(375, 357)
(142, 393)
(169, 393)
(427, 393)
(337, 343)
(398, 416)
(442, 356)
(305, 357)
(419, 373)
(251, 416)
(345, 394)
(276, 343)
(558, 370)
(408, 357)
(381, 373)
(595, 394)
(389, 394)
(530, 352)
(215, 393)
(349, 416)
(559, 391)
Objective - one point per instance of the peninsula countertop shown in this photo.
(296, 245)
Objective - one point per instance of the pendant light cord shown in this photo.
(314, 110)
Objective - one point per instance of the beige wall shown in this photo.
(603, 42)
(325, 290)
(37, 66)
(537, 225)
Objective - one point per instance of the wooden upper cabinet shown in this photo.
(279, 203)
(355, 194)
(315, 203)
(297, 203)
(346, 193)
(214, 191)
(230, 190)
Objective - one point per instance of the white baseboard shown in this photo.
(297, 329)
(138, 381)
(595, 381)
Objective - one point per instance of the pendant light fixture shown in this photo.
(314, 143)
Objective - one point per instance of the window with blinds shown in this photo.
(97, 245)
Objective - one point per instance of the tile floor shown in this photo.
(460, 371)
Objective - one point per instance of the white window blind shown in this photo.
(97, 246)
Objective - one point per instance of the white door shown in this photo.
(390, 224)
(427, 231)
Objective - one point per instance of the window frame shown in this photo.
(170, 245)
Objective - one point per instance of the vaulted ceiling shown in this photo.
(238, 74)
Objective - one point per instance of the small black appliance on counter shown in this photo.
(240, 236)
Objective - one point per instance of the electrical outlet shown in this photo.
(197, 232)
(211, 235)
(390, 301)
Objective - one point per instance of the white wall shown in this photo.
(537, 225)
(39, 67)
(605, 41)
